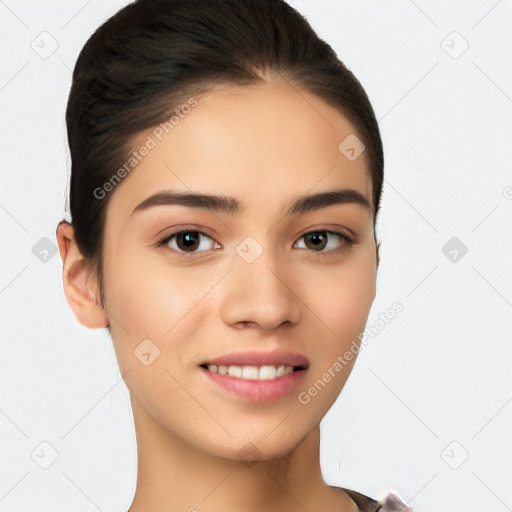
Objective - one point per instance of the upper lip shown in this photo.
(260, 358)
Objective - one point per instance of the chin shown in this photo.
(269, 444)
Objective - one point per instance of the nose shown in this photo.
(261, 294)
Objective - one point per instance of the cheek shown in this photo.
(342, 302)
(344, 299)
(145, 301)
(149, 298)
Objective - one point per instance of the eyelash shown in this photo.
(348, 242)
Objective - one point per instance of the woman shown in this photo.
(226, 178)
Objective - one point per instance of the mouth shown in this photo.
(256, 376)
(250, 372)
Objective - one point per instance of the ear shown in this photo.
(80, 283)
(378, 253)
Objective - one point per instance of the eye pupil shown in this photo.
(188, 239)
(316, 237)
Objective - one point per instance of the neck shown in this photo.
(174, 475)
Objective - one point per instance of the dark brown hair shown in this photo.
(153, 55)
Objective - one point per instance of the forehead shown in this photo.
(261, 144)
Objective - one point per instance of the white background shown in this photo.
(432, 391)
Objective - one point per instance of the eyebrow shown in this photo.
(231, 206)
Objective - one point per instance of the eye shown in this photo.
(317, 241)
(187, 241)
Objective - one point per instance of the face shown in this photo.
(260, 282)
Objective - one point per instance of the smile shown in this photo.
(255, 375)
(266, 372)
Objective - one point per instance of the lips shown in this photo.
(260, 358)
(255, 375)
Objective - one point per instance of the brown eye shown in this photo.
(187, 242)
(318, 241)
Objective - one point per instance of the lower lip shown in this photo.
(258, 390)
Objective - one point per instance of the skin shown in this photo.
(265, 145)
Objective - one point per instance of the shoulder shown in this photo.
(390, 502)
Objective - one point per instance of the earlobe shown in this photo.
(79, 282)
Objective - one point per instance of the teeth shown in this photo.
(268, 372)
(251, 372)
(234, 371)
